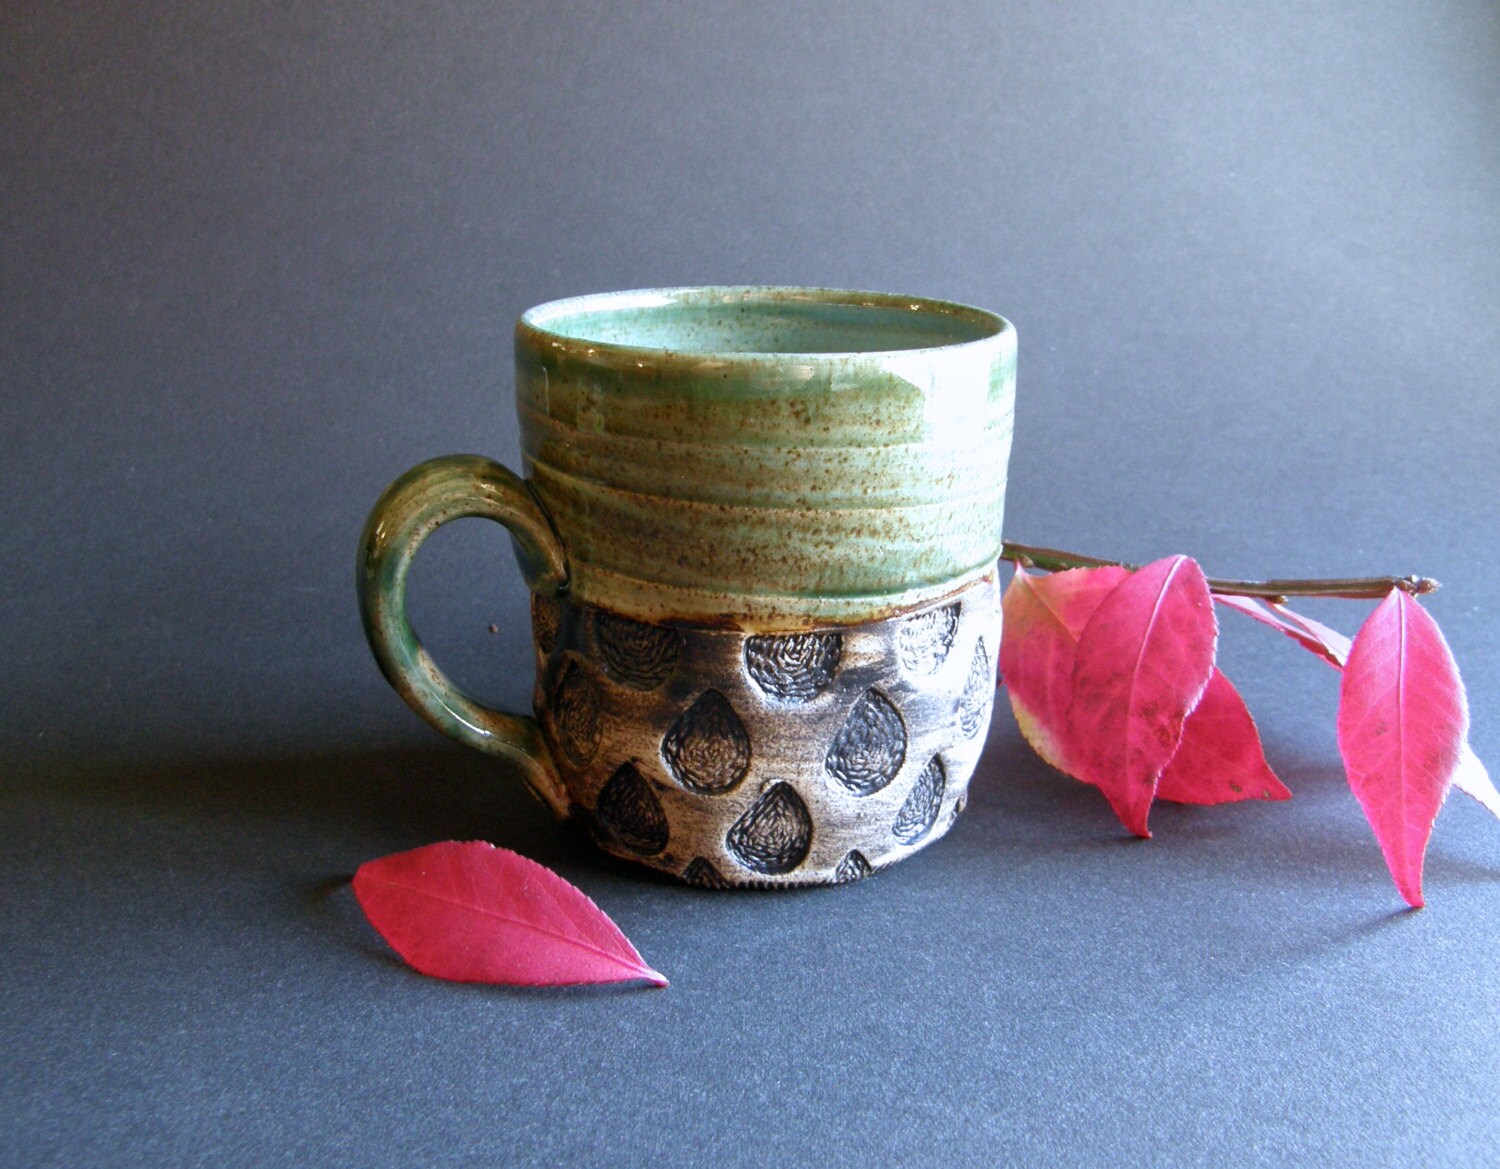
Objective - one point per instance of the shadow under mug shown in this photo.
(760, 527)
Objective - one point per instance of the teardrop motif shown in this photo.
(701, 872)
(774, 836)
(919, 813)
(853, 867)
(708, 749)
(923, 641)
(630, 813)
(577, 713)
(870, 747)
(546, 622)
(636, 654)
(793, 667)
(979, 693)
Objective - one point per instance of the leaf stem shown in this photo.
(1352, 588)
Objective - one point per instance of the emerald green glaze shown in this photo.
(781, 457)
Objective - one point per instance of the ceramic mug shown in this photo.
(760, 527)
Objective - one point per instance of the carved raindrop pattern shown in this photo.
(923, 642)
(793, 667)
(853, 867)
(919, 813)
(871, 746)
(979, 692)
(707, 749)
(717, 726)
(702, 873)
(630, 813)
(577, 712)
(774, 836)
(546, 622)
(636, 654)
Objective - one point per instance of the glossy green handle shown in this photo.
(412, 508)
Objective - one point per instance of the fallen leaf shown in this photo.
(1402, 724)
(471, 912)
(1043, 616)
(1220, 758)
(1143, 660)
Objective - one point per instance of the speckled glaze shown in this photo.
(724, 484)
(767, 457)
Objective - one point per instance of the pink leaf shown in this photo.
(1220, 759)
(1403, 721)
(1043, 616)
(1329, 644)
(1473, 780)
(1143, 660)
(476, 913)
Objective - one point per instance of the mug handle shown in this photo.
(410, 510)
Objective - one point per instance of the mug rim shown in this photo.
(533, 325)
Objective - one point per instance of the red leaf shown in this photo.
(1043, 616)
(476, 913)
(1473, 780)
(1143, 660)
(1220, 758)
(1403, 721)
(1329, 644)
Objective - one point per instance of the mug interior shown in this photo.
(708, 321)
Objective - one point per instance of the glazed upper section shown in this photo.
(794, 456)
(711, 322)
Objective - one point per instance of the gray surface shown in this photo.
(256, 259)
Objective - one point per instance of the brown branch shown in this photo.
(1353, 588)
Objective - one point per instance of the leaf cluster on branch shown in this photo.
(1111, 676)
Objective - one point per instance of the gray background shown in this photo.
(257, 258)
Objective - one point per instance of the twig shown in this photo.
(1353, 588)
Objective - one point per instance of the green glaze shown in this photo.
(772, 457)
(414, 506)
